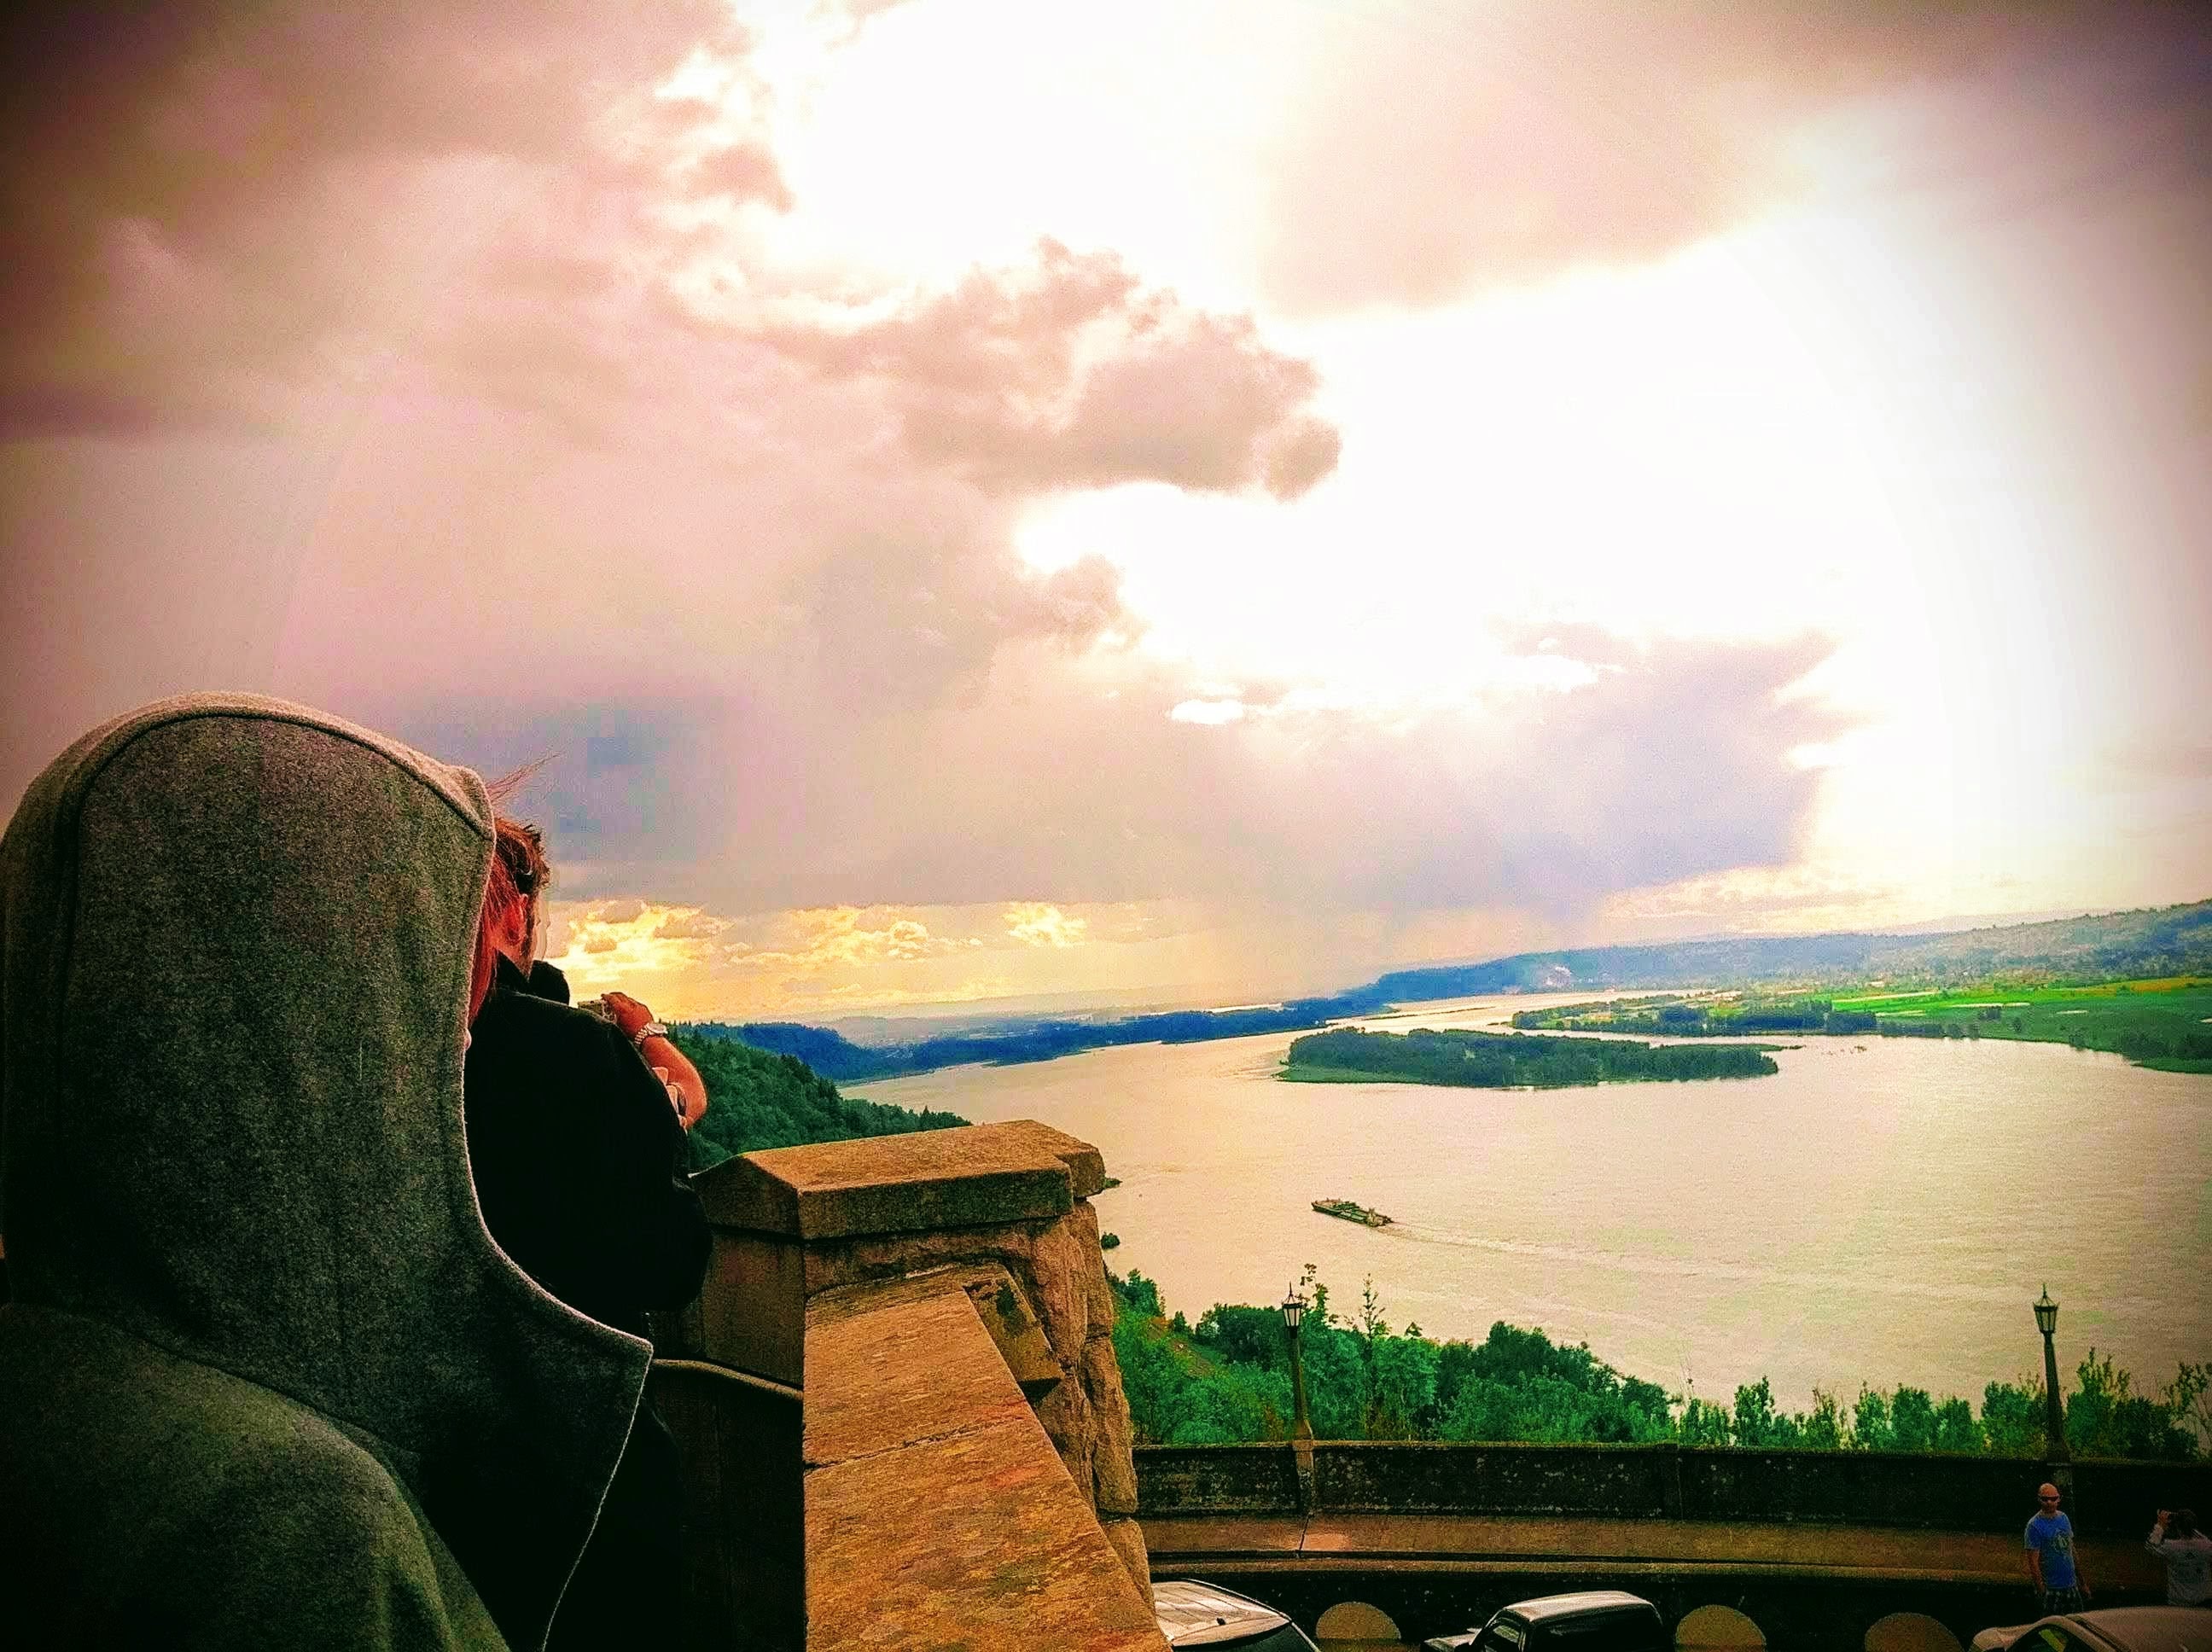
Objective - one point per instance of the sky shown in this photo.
(967, 503)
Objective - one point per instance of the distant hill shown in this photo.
(2161, 941)
(2164, 941)
(1017, 1040)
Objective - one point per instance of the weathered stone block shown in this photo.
(1128, 1540)
(1066, 1416)
(1112, 1465)
(887, 1256)
(1086, 1166)
(906, 1372)
(1060, 1262)
(979, 1175)
(753, 1315)
(1098, 1296)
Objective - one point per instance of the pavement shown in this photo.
(1334, 1540)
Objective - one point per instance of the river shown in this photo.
(1882, 1210)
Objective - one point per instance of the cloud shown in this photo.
(539, 456)
(1068, 373)
(201, 202)
(1439, 149)
(1211, 714)
(1665, 762)
(1039, 923)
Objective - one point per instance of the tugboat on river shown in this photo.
(1347, 1211)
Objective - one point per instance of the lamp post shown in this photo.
(2054, 1414)
(1294, 1313)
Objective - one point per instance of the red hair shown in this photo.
(500, 898)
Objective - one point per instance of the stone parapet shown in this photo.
(1906, 1489)
(940, 1301)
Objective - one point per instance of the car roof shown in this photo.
(2144, 1629)
(1187, 1609)
(1558, 1606)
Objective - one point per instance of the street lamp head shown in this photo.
(2046, 1313)
(1294, 1309)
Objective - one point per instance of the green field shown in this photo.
(1300, 1073)
(2165, 1023)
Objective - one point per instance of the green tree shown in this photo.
(2012, 1418)
(1825, 1429)
(1870, 1423)
(2106, 1417)
(1955, 1428)
(1911, 1420)
(1703, 1424)
(1403, 1401)
(1756, 1421)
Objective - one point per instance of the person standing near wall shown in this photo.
(577, 1154)
(520, 929)
(2188, 1556)
(2054, 1571)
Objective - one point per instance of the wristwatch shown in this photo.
(651, 1030)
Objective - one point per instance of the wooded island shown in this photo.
(1481, 1061)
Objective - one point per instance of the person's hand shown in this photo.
(628, 1013)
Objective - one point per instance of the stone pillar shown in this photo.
(1001, 1212)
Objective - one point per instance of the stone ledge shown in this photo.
(911, 1406)
(979, 1176)
(999, 1304)
(1007, 1557)
(910, 1370)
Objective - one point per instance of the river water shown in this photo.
(1882, 1210)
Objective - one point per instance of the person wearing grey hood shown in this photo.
(266, 1381)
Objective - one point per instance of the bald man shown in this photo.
(2053, 1570)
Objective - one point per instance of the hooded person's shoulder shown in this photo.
(241, 1490)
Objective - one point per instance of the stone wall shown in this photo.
(1663, 1482)
(828, 1258)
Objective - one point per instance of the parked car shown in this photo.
(2107, 1629)
(1195, 1614)
(1595, 1620)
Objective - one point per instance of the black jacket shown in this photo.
(578, 1159)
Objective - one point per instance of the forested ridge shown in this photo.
(2141, 945)
(757, 1098)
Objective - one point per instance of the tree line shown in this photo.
(1227, 1381)
(1502, 1060)
(1677, 1020)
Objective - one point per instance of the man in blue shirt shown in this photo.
(2052, 1568)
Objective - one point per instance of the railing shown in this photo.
(1904, 1489)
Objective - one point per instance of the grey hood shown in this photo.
(234, 978)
